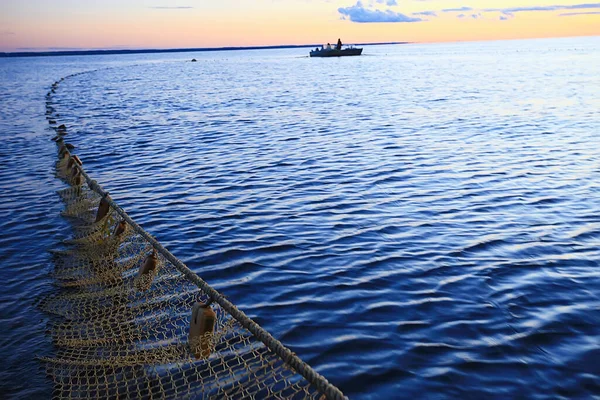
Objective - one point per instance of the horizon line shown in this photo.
(83, 52)
(109, 51)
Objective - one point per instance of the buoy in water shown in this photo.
(146, 272)
(103, 209)
(202, 325)
(193, 60)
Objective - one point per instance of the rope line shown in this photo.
(122, 313)
(320, 382)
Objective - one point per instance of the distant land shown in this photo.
(94, 52)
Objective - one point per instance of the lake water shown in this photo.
(421, 221)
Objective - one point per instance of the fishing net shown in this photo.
(122, 312)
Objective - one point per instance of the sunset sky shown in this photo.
(76, 24)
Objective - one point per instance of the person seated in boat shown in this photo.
(339, 44)
(328, 46)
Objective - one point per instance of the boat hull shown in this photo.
(336, 53)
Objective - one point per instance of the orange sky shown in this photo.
(44, 24)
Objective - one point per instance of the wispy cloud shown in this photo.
(361, 14)
(544, 8)
(171, 7)
(7, 33)
(461, 9)
(579, 13)
(364, 14)
(426, 13)
(508, 13)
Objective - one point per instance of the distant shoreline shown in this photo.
(149, 51)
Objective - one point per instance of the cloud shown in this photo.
(358, 13)
(457, 9)
(7, 33)
(544, 8)
(508, 13)
(171, 7)
(579, 13)
(426, 13)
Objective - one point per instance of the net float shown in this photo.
(103, 209)
(62, 149)
(64, 157)
(73, 160)
(120, 228)
(77, 179)
(202, 325)
(64, 146)
(146, 272)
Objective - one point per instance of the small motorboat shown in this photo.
(335, 52)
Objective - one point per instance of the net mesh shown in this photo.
(121, 334)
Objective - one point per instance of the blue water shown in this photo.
(421, 221)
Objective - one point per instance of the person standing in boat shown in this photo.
(339, 44)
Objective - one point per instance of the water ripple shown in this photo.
(428, 230)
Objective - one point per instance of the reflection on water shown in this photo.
(422, 221)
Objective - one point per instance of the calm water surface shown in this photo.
(421, 221)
